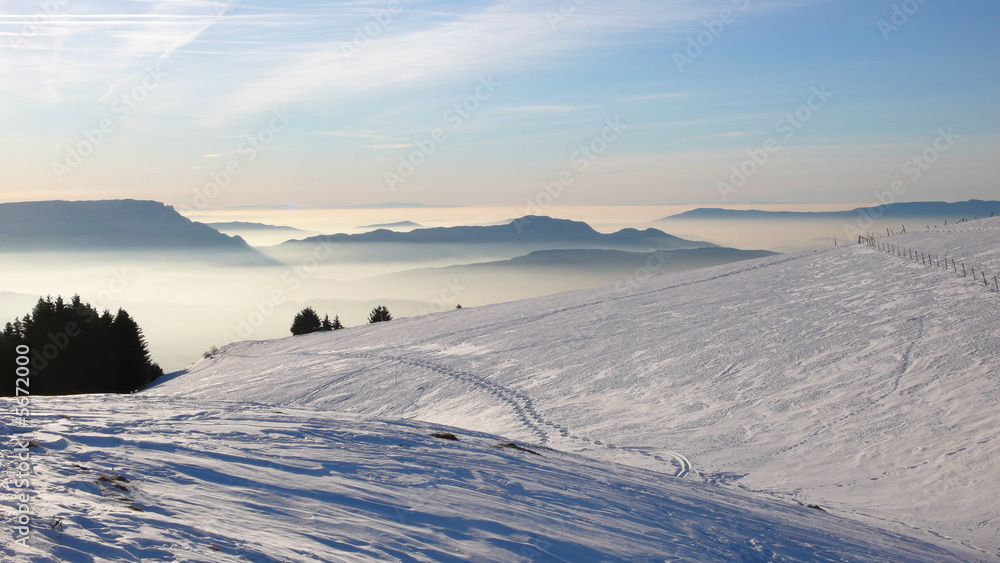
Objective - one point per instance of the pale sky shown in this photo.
(489, 102)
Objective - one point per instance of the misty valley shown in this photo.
(192, 287)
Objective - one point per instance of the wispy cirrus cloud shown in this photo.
(352, 133)
(84, 47)
(498, 37)
(550, 108)
(660, 96)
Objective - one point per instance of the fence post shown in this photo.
(985, 283)
(996, 283)
(963, 269)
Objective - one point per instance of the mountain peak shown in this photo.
(110, 225)
(537, 231)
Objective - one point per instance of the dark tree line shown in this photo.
(307, 320)
(75, 349)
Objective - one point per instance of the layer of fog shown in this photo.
(186, 307)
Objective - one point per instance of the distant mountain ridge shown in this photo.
(524, 231)
(111, 225)
(397, 224)
(554, 270)
(967, 209)
(250, 226)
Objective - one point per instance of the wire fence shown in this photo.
(976, 272)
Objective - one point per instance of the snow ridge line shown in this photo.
(928, 260)
(620, 290)
(523, 407)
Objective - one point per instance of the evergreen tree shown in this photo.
(326, 325)
(136, 366)
(74, 350)
(336, 325)
(379, 314)
(306, 321)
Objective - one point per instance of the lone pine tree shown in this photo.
(336, 324)
(306, 321)
(379, 314)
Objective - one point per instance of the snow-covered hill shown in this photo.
(146, 478)
(846, 378)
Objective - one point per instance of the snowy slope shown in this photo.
(142, 478)
(978, 247)
(844, 377)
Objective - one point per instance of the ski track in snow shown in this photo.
(840, 377)
(522, 405)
